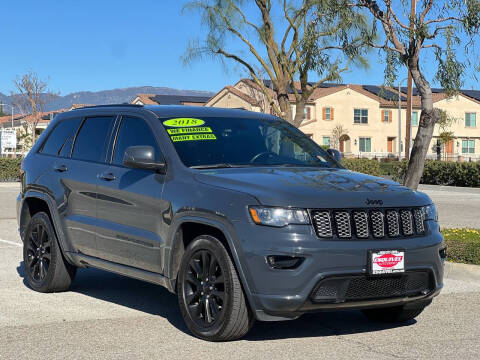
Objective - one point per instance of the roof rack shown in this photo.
(109, 105)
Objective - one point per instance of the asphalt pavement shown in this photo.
(108, 316)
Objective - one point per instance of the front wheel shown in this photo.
(396, 314)
(210, 295)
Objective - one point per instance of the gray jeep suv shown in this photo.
(238, 213)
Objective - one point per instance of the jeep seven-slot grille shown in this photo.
(367, 223)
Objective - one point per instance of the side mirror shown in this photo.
(142, 157)
(335, 154)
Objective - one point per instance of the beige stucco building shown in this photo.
(362, 121)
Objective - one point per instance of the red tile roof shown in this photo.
(44, 117)
(146, 99)
(79, 106)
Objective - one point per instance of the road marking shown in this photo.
(10, 242)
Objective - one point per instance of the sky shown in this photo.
(105, 44)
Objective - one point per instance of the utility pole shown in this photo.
(408, 134)
(400, 119)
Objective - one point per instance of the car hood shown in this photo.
(313, 188)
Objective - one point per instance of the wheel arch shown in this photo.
(189, 227)
(34, 202)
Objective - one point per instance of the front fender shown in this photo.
(173, 255)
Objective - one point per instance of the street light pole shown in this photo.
(400, 119)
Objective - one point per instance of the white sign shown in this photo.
(387, 262)
(8, 139)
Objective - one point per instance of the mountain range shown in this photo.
(115, 96)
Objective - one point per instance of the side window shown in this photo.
(93, 138)
(133, 132)
(60, 140)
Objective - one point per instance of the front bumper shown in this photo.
(283, 294)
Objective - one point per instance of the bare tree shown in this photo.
(31, 97)
(337, 132)
(290, 40)
(258, 95)
(436, 27)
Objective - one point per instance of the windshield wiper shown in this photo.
(213, 166)
(300, 165)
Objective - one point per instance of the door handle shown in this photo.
(107, 176)
(60, 168)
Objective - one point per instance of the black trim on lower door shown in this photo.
(90, 261)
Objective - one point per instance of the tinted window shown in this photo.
(60, 140)
(133, 132)
(93, 139)
(243, 142)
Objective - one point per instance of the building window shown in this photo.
(360, 116)
(307, 111)
(415, 118)
(386, 116)
(468, 146)
(326, 141)
(365, 144)
(327, 113)
(470, 119)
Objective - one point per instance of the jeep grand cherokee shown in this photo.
(238, 213)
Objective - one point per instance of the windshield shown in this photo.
(231, 142)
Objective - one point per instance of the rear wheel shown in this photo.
(46, 270)
(210, 295)
(395, 314)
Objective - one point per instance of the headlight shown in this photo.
(430, 212)
(278, 217)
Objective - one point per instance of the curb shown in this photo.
(466, 272)
(9, 184)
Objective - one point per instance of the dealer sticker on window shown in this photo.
(387, 262)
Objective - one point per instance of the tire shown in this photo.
(217, 289)
(46, 270)
(397, 314)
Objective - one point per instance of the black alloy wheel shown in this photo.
(46, 269)
(204, 288)
(39, 253)
(210, 294)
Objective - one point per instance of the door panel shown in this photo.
(78, 207)
(129, 211)
(130, 205)
(80, 182)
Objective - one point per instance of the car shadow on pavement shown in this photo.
(156, 300)
(121, 290)
(320, 324)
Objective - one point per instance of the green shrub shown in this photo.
(435, 172)
(366, 166)
(451, 173)
(395, 169)
(463, 245)
(10, 169)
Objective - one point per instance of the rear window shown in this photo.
(60, 140)
(93, 139)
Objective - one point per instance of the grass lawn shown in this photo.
(463, 245)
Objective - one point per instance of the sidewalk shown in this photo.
(464, 272)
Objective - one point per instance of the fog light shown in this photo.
(284, 262)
